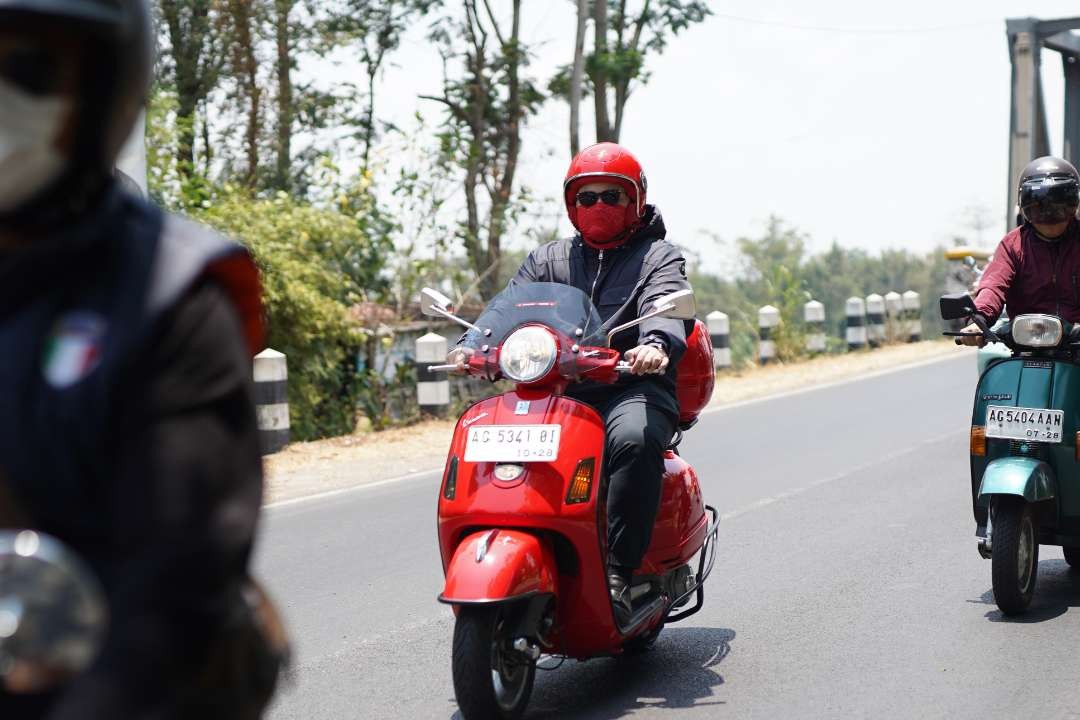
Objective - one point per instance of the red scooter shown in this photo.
(522, 510)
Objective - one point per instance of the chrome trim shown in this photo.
(485, 545)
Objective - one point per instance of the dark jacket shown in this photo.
(1032, 275)
(142, 457)
(623, 284)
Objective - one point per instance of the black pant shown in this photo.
(640, 426)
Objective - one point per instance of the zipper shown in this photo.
(599, 269)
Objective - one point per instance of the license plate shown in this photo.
(512, 443)
(1015, 423)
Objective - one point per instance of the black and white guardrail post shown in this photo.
(814, 316)
(720, 333)
(855, 309)
(768, 320)
(432, 388)
(875, 320)
(894, 315)
(913, 315)
(271, 375)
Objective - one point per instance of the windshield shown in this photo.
(563, 308)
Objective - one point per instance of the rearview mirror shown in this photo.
(957, 306)
(52, 609)
(679, 305)
(434, 304)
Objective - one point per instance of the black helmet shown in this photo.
(114, 79)
(1049, 191)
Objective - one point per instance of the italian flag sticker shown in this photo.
(74, 350)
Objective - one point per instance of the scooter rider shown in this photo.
(1036, 268)
(127, 429)
(620, 258)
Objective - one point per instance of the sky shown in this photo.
(872, 125)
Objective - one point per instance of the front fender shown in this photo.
(513, 565)
(1028, 478)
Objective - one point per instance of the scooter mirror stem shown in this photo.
(634, 323)
(982, 325)
(464, 323)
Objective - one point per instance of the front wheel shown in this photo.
(491, 679)
(1015, 555)
(1072, 556)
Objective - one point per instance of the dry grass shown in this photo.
(309, 468)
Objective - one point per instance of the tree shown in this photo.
(373, 29)
(625, 34)
(195, 59)
(485, 109)
(577, 75)
(245, 26)
(285, 99)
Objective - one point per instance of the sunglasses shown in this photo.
(588, 198)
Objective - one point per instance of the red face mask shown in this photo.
(603, 226)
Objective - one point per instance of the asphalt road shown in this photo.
(848, 584)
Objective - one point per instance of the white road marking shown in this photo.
(895, 455)
(715, 408)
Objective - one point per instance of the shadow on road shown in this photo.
(679, 672)
(1056, 590)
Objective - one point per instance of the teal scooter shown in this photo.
(1025, 458)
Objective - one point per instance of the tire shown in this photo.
(490, 679)
(1015, 554)
(1072, 556)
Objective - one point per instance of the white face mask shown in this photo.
(29, 128)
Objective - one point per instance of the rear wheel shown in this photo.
(491, 679)
(1015, 554)
(1072, 556)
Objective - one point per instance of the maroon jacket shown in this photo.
(1031, 275)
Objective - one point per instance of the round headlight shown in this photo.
(528, 354)
(1037, 331)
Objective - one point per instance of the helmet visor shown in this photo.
(1047, 201)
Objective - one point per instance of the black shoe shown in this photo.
(620, 597)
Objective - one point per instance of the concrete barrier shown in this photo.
(913, 316)
(768, 321)
(855, 310)
(894, 315)
(720, 333)
(875, 320)
(432, 388)
(814, 317)
(271, 375)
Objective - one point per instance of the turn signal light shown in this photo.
(978, 440)
(450, 481)
(1077, 446)
(581, 484)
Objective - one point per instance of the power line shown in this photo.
(858, 30)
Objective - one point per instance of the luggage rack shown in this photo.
(706, 560)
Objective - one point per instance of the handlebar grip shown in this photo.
(444, 368)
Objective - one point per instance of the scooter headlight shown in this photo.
(528, 354)
(1037, 331)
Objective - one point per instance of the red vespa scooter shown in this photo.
(521, 516)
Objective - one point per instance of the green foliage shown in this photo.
(776, 271)
(309, 278)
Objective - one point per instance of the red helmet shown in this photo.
(606, 161)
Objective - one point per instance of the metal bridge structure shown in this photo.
(1028, 134)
